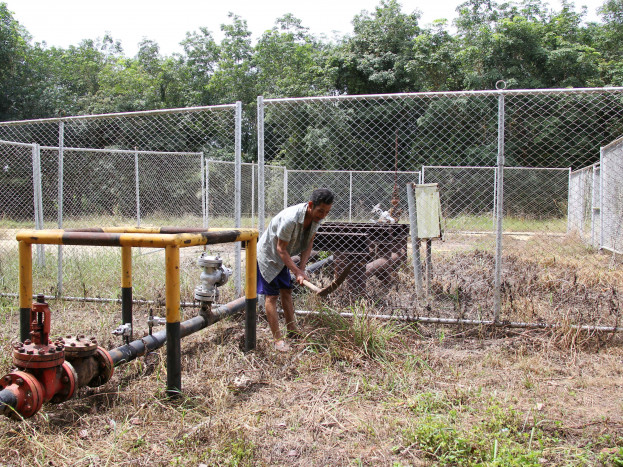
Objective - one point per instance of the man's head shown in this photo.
(320, 203)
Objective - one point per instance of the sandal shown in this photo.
(282, 346)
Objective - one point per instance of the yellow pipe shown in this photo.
(25, 275)
(146, 240)
(126, 266)
(250, 290)
(172, 283)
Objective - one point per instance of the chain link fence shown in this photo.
(518, 174)
(505, 163)
(143, 168)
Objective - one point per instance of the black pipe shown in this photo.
(8, 402)
(24, 324)
(174, 359)
(250, 323)
(127, 353)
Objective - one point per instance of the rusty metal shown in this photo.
(364, 249)
(26, 392)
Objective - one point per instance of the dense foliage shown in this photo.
(524, 43)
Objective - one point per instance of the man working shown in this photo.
(289, 233)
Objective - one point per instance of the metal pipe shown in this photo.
(497, 294)
(25, 289)
(172, 293)
(8, 402)
(261, 212)
(237, 194)
(140, 347)
(415, 243)
(473, 322)
(126, 287)
(454, 94)
(250, 321)
(61, 144)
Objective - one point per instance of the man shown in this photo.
(289, 233)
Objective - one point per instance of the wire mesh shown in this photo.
(453, 139)
(143, 168)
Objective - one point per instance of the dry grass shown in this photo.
(423, 396)
(360, 391)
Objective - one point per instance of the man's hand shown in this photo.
(301, 276)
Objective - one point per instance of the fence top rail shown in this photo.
(15, 143)
(613, 144)
(492, 92)
(123, 151)
(584, 169)
(143, 113)
(562, 169)
(410, 172)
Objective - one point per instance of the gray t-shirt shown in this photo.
(287, 226)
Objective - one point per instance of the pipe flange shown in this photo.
(202, 295)
(106, 368)
(209, 261)
(28, 391)
(69, 378)
(34, 356)
(79, 346)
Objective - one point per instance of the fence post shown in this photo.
(260, 164)
(415, 242)
(204, 218)
(61, 143)
(237, 196)
(252, 194)
(38, 198)
(601, 198)
(136, 184)
(350, 197)
(499, 212)
(285, 187)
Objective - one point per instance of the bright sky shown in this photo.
(66, 22)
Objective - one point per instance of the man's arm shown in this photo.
(282, 251)
(305, 254)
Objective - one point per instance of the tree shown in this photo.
(234, 77)
(375, 59)
(289, 61)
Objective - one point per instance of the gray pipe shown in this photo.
(139, 347)
(8, 402)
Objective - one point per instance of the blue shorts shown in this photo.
(282, 281)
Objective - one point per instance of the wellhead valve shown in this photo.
(214, 275)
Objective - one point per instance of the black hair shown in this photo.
(321, 196)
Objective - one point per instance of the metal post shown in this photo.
(601, 198)
(495, 197)
(261, 213)
(251, 295)
(350, 197)
(497, 292)
(204, 222)
(61, 143)
(174, 352)
(207, 218)
(126, 288)
(252, 194)
(415, 243)
(569, 204)
(594, 200)
(38, 198)
(285, 187)
(25, 289)
(237, 196)
(136, 184)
